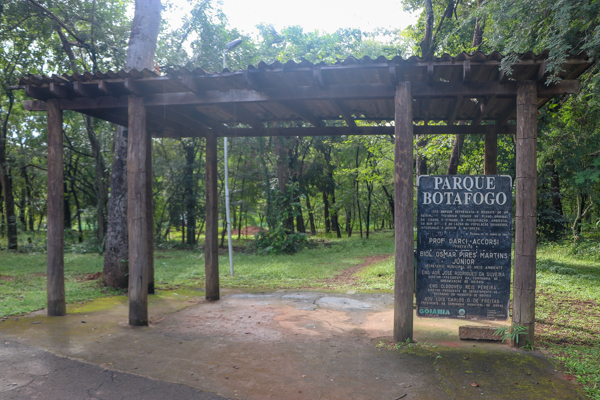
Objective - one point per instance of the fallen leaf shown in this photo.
(474, 384)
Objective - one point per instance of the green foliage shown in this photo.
(511, 332)
(279, 240)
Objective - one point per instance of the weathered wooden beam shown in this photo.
(457, 107)
(403, 215)
(346, 114)
(137, 212)
(64, 91)
(484, 109)
(430, 73)
(318, 77)
(55, 276)
(211, 254)
(526, 212)
(303, 111)
(490, 160)
(110, 89)
(36, 92)
(503, 77)
(83, 89)
(466, 71)
(133, 87)
(302, 93)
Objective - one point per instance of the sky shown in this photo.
(323, 15)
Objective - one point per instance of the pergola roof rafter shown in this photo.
(443, 89)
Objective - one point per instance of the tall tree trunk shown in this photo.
(116, 252)
(326, 212)
(455, 155)
(335, 223)
(555, 189)
(99, 180)
(140, 55)
(190, 198)
(358, 196)
(6, 180)
(283, 176)
(369, 204)
(390, 199)
(460, 138)
(426, 42)
(29, 196)
(22, 208)
(67, 207)
(311, 216)
(421, 160)
(349, 222)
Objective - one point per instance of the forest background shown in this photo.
(338, 185)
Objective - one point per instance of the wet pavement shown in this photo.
(270, 345)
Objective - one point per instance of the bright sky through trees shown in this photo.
(324, 15)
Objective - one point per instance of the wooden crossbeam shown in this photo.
(303, 93)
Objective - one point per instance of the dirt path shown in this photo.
(347, 276)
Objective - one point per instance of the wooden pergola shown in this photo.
(312, 100)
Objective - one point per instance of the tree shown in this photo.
(140, 55)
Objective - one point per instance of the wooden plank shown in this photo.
(403, 216)
(55, 283)
(490, 161)
(137, 212)
(211, 255)
(525, 224)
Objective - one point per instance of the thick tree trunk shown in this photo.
(116, 253)
(140, 55)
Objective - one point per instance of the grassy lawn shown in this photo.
(568, 282)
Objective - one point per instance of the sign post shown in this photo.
(464, 246)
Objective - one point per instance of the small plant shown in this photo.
(511, 332)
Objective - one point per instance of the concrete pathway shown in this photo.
(273, 345)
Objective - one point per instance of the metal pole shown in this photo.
(227, 208)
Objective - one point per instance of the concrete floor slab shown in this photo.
(291, 345)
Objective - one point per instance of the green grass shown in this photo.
(23, 281)
(307, 268)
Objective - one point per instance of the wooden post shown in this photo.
(490, 165)
(55, 283)
(526, 215)
(211, 254)
(137, 213)
(403, 216)
(150, 211)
